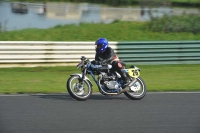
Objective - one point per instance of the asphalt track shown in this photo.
(59, 113)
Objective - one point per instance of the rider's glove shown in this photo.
(103, 62)
(94, 62)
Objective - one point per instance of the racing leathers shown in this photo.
(110, 57)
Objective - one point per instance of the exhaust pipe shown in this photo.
(128, 86)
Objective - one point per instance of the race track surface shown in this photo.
(59, 113)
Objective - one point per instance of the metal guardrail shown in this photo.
(37, 53)
(160, 52)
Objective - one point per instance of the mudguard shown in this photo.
(80, 75)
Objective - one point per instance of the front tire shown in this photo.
(77, 90)
(137, 91)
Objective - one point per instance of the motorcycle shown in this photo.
(109, 82)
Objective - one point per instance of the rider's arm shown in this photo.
(109, 55)
(96, 58)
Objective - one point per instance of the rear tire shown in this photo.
(138, 90)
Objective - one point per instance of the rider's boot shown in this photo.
(125, 78)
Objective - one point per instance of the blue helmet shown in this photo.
(101, 45)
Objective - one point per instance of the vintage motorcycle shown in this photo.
(109, 82)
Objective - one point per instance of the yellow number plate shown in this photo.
(133, 72)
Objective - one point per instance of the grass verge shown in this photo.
(53, 79)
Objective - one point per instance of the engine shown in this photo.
(111, 84)
(110, 81)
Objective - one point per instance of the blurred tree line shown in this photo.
(194, 3)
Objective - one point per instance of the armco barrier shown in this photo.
(160, 52)
(41, 53)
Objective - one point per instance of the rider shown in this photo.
(105, 54)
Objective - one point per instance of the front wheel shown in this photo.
(79, 91)
(137, 91)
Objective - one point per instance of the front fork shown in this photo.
(82, 77)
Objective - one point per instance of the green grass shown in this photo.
(117, 31)
(53, 79)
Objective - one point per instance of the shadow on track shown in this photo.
(69, 98)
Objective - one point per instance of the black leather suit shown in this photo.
(109, 57)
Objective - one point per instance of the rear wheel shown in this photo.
(137, 91)
(79, 91)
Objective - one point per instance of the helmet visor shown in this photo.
(98, 47)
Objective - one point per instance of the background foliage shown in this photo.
(183, 23)
(130, 2)
(116, 31)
